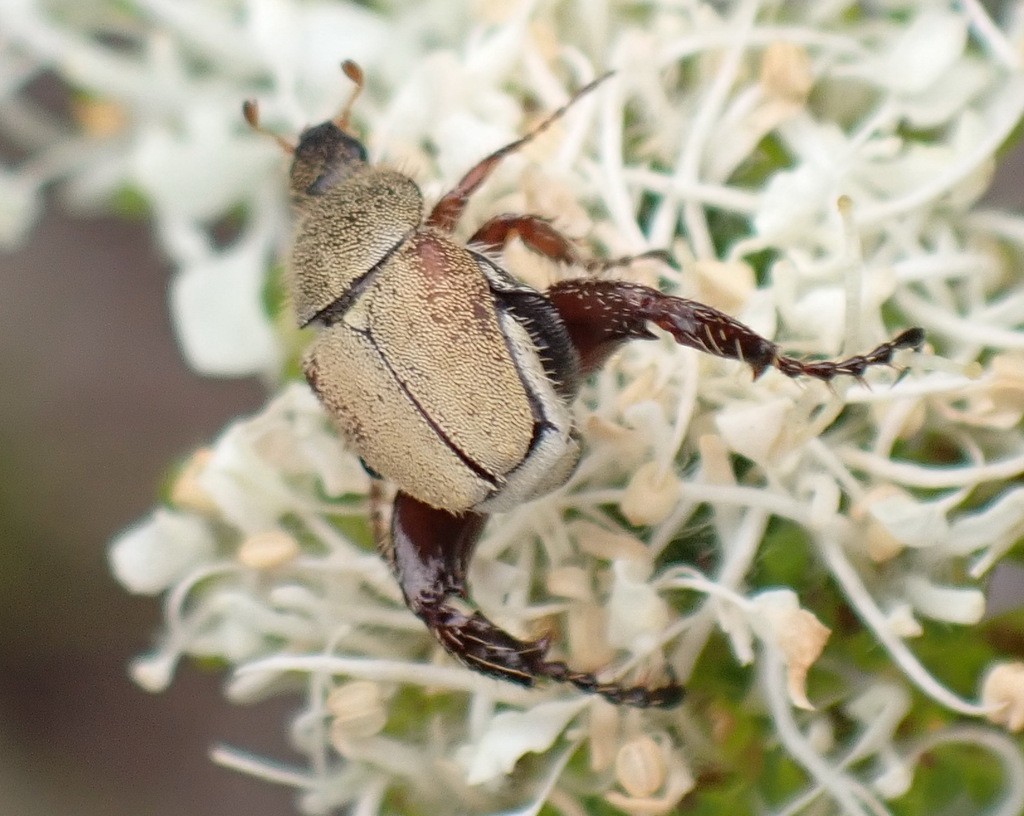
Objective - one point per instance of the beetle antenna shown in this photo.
(354, 73)
(558, 114)
(251, 112)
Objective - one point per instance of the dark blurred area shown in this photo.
(95, 405)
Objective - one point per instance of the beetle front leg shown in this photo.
(447, 211)
(601, 315)
(431, 549)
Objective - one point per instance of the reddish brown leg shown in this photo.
(601, 315)
(535, 232)
(539, 235)
(431, 551)
(447, 211)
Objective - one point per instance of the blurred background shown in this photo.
(95, 405)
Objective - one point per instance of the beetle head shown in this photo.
(326, 153)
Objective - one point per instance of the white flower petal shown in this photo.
(201, 168)
(511, 734)
(882, 706)
(153, 555)
(635, 610)
(20, 205)
(895, 780)
(754, 430)
(991, 530)
(154, 672)
(925, 49)
(778, 619)
(948, 96)
(248, 491)
(901, 621)
(945, 603)
(219, 315)
(790, 206)
(912, 522)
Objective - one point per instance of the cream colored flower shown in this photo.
(800, 637)
(1002, 690)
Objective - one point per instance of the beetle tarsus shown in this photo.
(604, 264)
(855, 366)
(665, 696)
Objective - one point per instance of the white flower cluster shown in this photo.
(814, 168)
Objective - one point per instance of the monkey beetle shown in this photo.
(454, 381)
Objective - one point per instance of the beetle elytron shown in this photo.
(455, 382)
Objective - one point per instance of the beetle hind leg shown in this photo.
(430, 552)
(601, 315)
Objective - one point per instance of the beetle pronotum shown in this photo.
(455, 381)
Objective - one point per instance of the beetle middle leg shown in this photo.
(431, 549)
(540, 235)
(601, 315)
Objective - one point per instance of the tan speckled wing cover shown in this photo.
(436, 374)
